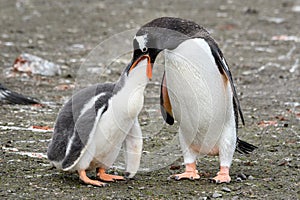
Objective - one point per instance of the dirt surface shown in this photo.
(260, 40)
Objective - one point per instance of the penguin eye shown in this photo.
(144, 49)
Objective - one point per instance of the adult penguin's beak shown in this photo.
(135, 62)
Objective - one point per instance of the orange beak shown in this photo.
(149, 65)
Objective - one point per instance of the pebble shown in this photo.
(242, 176)
(226, 189)
(130, 187)
(250, 11)
(276, 20)
(8, 44)
(250, 177)
(216, 195)
(238, 179)
(116, 173)
(296, 8)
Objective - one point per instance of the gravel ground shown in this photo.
(260, 40)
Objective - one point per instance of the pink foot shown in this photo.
(108, 177)
(88, 181)
(222, 175)
(190, 173)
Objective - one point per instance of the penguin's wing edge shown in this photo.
(14, 97)
(84, 129)
(224, 70)
(165, 104)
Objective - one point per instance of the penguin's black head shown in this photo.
(163, 33)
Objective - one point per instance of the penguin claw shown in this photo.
(94, 183)
(221, 179)
(186, 175)
(222, 175)
(100, 184)
(104, 185)
(86, 180)
(213, 180)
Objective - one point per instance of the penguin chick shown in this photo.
(94, 124)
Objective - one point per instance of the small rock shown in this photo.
(250, 11)
(246, 73)
(296, 8)
(250, 177)
(276, 20)
(238, 179)
(242, 176)
(130, 187)
(216, 195)
(141, 188)
(115, 173)
(9, 144)
(226, 189)
(8, 44)
(235, 198)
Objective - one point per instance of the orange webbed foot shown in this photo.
(88, 181)
(190, 173)
(102, 175)
(222, 175)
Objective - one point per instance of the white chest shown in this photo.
(115, 124)
(197, 92)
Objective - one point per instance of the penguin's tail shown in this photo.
(16, 98)
(244, 147)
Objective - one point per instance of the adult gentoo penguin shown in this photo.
(197, 90)
(92, 126)
(14, 97)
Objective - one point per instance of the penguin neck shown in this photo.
(129, 92)
(135, 80)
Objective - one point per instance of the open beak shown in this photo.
(149, 65)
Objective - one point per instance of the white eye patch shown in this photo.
(142, 41)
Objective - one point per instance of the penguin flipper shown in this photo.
(165, 104)
(75, 122)
(14, 97)
(224, 70)
(83, 130)
(133, 146)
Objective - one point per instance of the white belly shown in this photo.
(198, 93)
(112, 128)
